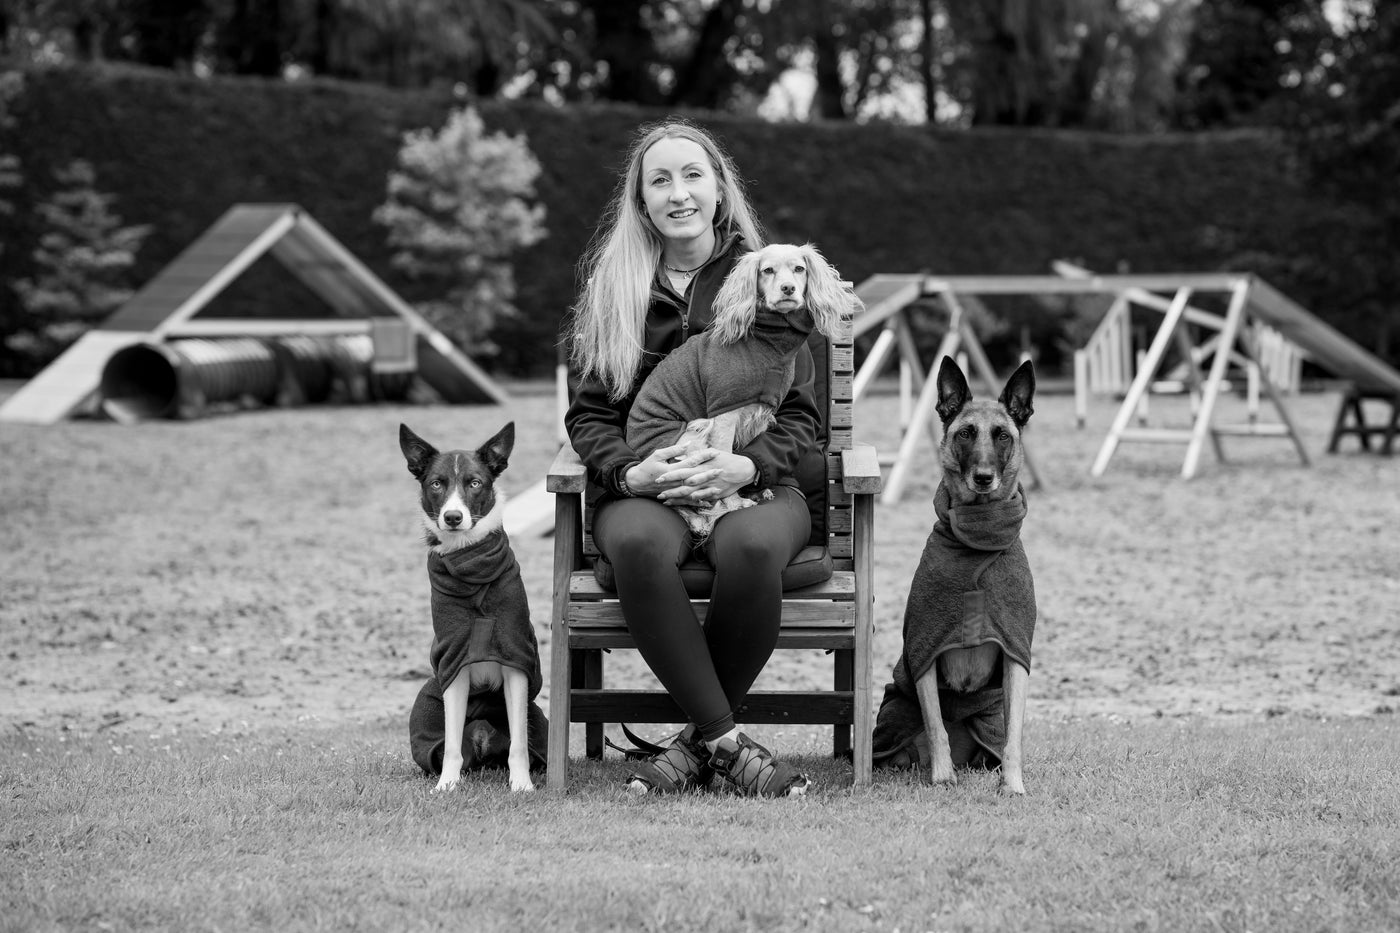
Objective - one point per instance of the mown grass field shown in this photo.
(212, 630)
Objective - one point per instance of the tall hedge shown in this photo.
(177, 152)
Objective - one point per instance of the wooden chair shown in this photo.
(834, 613)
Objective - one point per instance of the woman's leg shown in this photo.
(646, 543)
(748, 550)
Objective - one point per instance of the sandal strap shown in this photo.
(680, 766)
(752, 769)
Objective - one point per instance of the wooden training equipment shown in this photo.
(357, 302)
(1262, 331)
(835, 615)
(888, 300)
(1351, 420)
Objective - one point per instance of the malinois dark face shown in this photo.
(981, 452)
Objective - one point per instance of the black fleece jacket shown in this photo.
(597, 425)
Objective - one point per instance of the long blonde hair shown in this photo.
(619, 266)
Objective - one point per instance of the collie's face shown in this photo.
(457, 488)
(782, 277)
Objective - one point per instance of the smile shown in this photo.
(683, 214)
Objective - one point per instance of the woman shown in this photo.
(677, 223)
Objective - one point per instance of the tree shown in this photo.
(457, 208)
(11, 178)
(253, 39)
(411, 43)
(1346, 124)
(11, 86)
(83, 254)
(1022, 54)
(626, 49)
(1247, 58)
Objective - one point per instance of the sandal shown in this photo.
(682, 765)
(752, 769)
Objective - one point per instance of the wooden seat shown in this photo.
(834, 614)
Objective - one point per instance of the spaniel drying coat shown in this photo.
(703, 378)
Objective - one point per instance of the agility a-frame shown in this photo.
(169, 306)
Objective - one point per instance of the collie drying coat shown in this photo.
(480, 613)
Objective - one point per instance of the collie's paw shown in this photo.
(451, 774)
(520, 781)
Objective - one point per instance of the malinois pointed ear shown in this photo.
(1017, 394)
(415, 450)
(953, 392)
(495, 453)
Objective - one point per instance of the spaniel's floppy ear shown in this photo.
(828, 297)
(737, 301)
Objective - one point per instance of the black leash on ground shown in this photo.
(642, 749)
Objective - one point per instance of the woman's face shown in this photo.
(679, 188)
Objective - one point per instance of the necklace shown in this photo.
(684, 273)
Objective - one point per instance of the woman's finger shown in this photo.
(666, 454)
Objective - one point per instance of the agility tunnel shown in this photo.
(189, 378)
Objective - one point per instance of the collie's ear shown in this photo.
(495, 453)
(415, 450)
(953, 391)
(737, 301)
(1017, 394)
(828, 297)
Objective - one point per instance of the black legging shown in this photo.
(708, 671)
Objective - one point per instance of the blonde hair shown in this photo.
(619, 266)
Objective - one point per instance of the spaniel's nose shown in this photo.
(789, 289)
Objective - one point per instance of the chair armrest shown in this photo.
(566, 473)
(860, 470)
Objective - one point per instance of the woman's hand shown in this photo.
(694, 480)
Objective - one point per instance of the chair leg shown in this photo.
(593, 680)
(568, 519)
(843, 680)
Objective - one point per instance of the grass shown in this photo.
(210, 633)
(1154, 826)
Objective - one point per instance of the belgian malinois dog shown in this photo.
(981, 456)
(958, 695)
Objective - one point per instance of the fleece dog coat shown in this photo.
(973, 585)
(703, 378)
(480, 613)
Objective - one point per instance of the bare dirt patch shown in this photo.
(263, 569)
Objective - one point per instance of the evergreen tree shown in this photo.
(83, 254)
(457, 209)
(11, 86)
